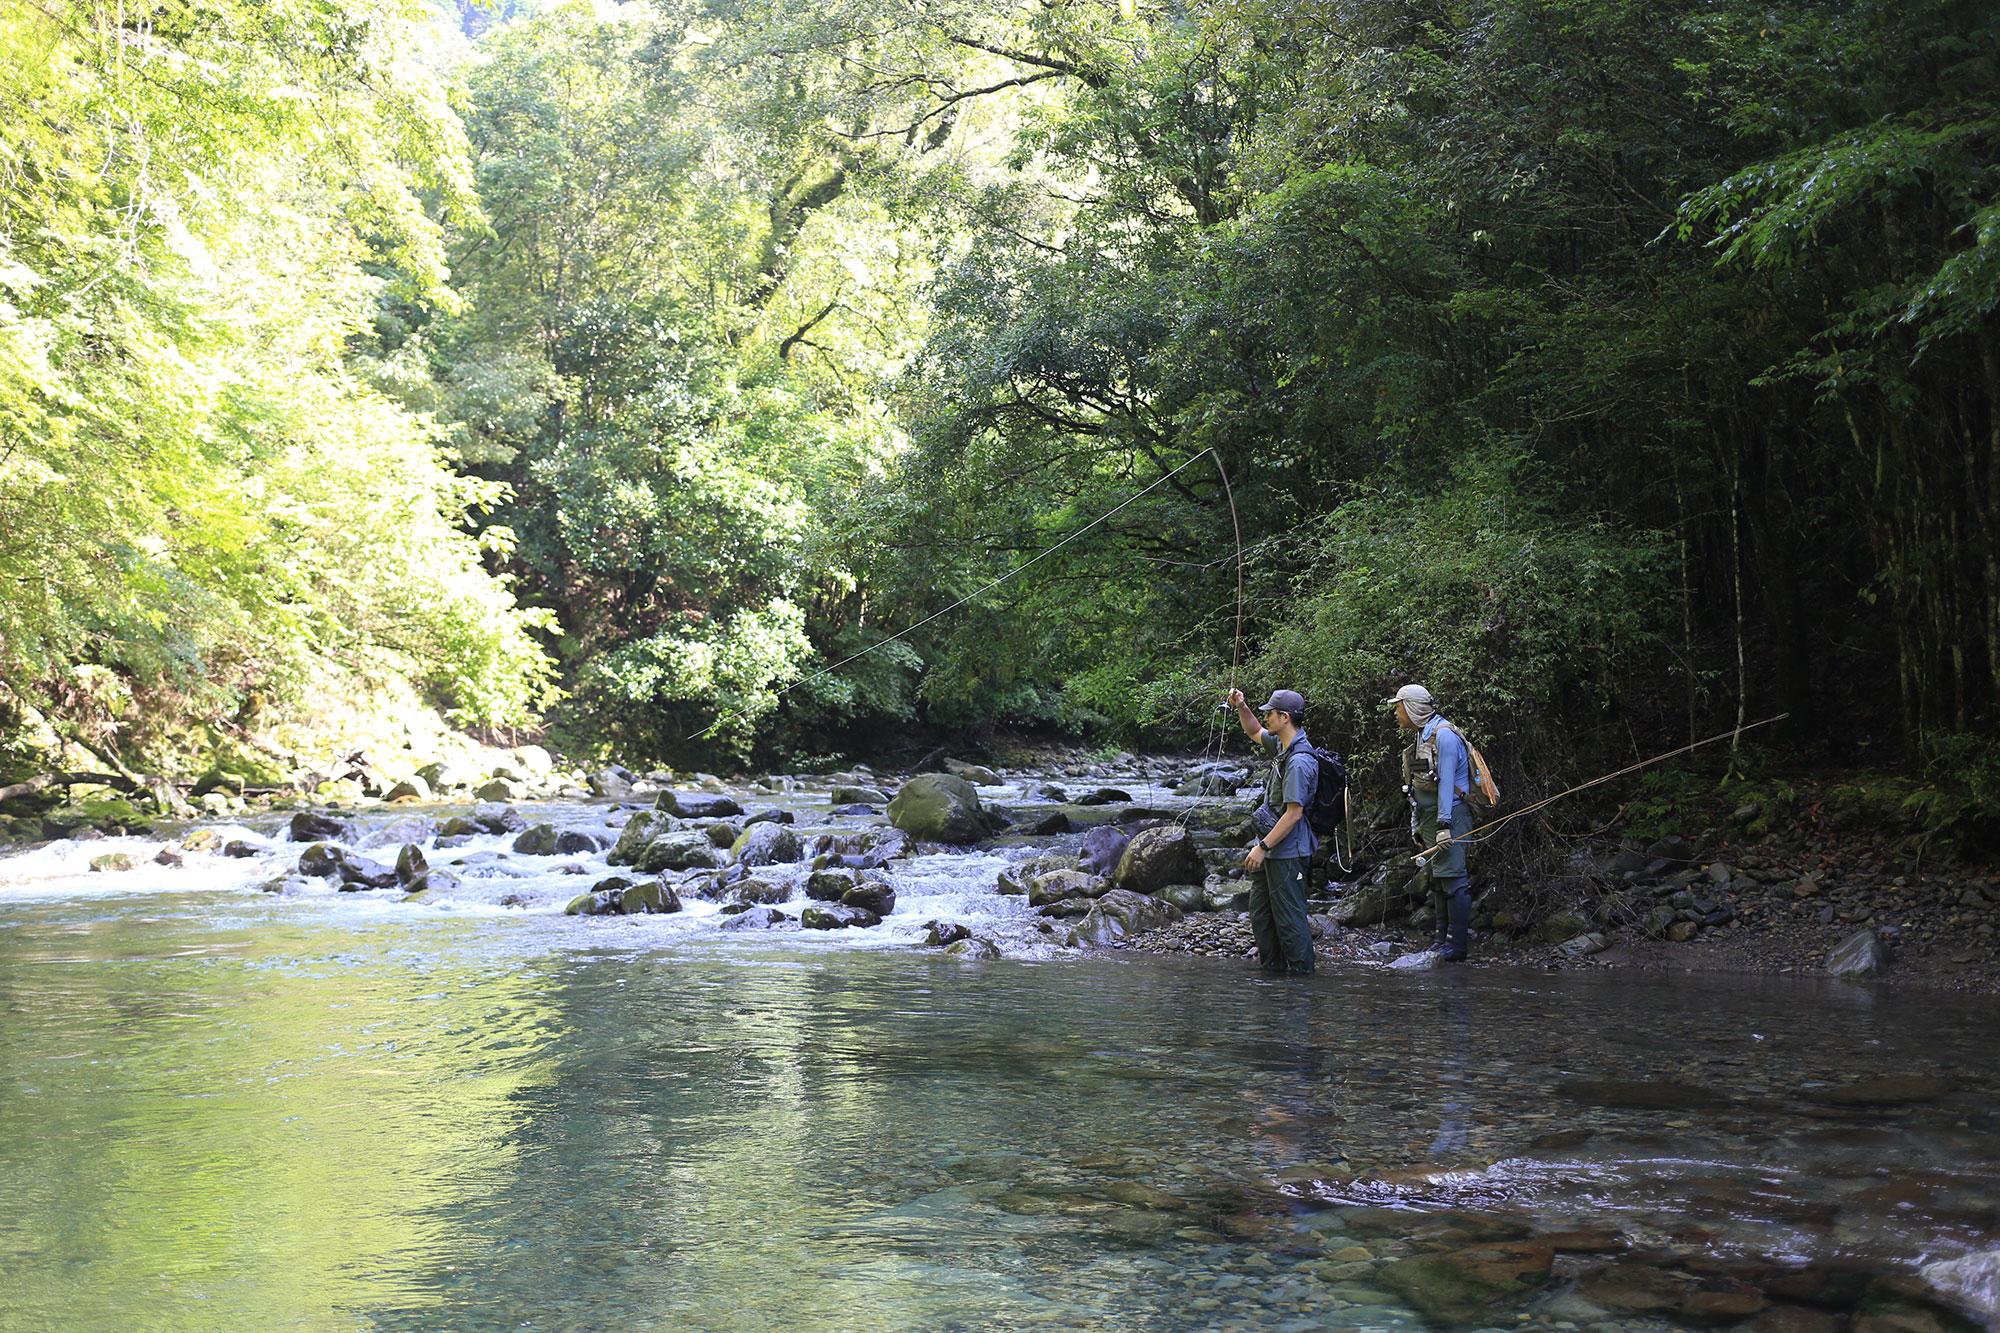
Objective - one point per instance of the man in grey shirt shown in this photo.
(1277, 863)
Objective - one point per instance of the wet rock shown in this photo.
(168, 857)
(495, 817)
(500, 790)
(609, 782)
(1194, 898)
(1048, 826)
(1157, 857)
(358, 872)
(653, 896)
(321, 860)
(941, 933)
(1899, 1303)
(1103, 847)
(1103, 796)
(1723, 1303)
(638, 834)
(1589, 1240)
(1048, 791)
(852, 811)
(1830, 1286)
(977, 774)
(1883, 1092)
(1860, 955)
(857, 796)
(402, 829)
(429, 884)
(938, 807)
(1366, 906)
(1582, 946)
(697, 805)
(539, 840)
(722, 836)
(870, 850)
(1642, 1095)
(873, 895)
(1459, 1286)
(1135, 1195)
(685, 850)
(1795, 1319)
(111, 862)
(756, 918)
(1634, 1288)
(445, 776)
(575, 842)
(1972, 1278)
(755, 891)
(410, 863)
(829, 886)
(767, 844)
(592, 904)
(318, 826)
(771, 816)
(1120, 914)
(972, 947)
(241, 850)
(836, 916)
(1012, 881)
(1058, 885)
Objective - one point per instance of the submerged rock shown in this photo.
(1642, 1095)
(1459, 1286)
(972, 947)
(938, 807)
(938, 934)
(1120, 914)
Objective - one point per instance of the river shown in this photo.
(228, 1109)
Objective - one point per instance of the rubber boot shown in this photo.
(1458, 930)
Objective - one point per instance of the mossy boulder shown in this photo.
(1158, 857)
(766, 844)
(639, 833)
(937, 807)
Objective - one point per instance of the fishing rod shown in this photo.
(1235, 523)
(1423, 857)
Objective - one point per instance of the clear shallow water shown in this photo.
(223, 1110)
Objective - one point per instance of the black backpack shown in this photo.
(1328, 810)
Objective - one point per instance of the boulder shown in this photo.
(167, 856)
(493, 817)
(539, 840)
(400, 830)
(972, 947)
(575, 842)
(446, 776)
(976, 774)
(1157, 857)
(534, 759)
(873, 895)
(1119, 915)
(757, 918)
(1048, 791)
(857, 796)
(835, 916)
(831, 885)
(697, 805)
(609, 782)
(767, 845)
(319, 826)
(593, 903)
(938, 807)
(412, 788)
(758, 891)
(1056, 885)
(1048, 826)
(321, 860)
(771, 816)
(358, 872)
(639, 832)
(1582, 946)
(241, 850)
(110, 861)
(410, 863)
(500, 789)
(1105, 796)
(940, 933)
(1187, 897)
(865, 851)
(683, 850)
(1103, 848)
(1861, 955)
(428, 883)
(647, 897)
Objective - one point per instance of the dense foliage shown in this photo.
(1621, 371)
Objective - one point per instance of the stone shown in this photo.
(1103, 847)
(111, 862)
(1194, 898)
(972, 947)
(1135, 1195)
(1722, 1305)
(1365, 906)
(538, 840)
(592, 904)
(765, 845)
(1104, 796)
(1634, 1288)
(1794, 1319)
(938, 807)
(1883, 1092)
(697, 805)
(321, 860)
(358, 872)
(609, 782)
(1012, 881)
(771, 816)
(575, 842)
(722, 835)
(168, 857)
(412, 788)
(1157, 857)
(400, 830)
(444, 776)
(976, 774)
(857, 796)
(683, 850)
(1120, 914)
(836, 916)
(1048, 791)
(1680, 932)
(1582, 946)
(874, 895)
(829, 886)
(756, 918)
(1459, 1286)
(638, 834)
(870, 850)
(648, 897)
(430, 882)
(241, 850)
(493, 817)
(500, 789)
(1642, 1095)
(1860, 955)
(318, 826)
(938, 934)
(1973, 1278)
(753, 890)
(410, 863)
(1054, 886)
(1896, 1303)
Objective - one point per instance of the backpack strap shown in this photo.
(1482, 772)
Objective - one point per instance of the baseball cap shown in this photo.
(1409, 694)
(1285, 701)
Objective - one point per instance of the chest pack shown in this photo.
(1327, 810)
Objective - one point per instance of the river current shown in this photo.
(229, 1109)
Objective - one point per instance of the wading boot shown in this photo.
(1458, 927)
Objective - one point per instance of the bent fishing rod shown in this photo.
(1423, 857)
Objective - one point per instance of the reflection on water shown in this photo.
(453, 1124)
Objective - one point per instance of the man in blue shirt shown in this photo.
(1277, 863)
(1437, 775)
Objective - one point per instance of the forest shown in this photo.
(1623, 372)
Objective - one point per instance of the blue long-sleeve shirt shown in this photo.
(1454, 769)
